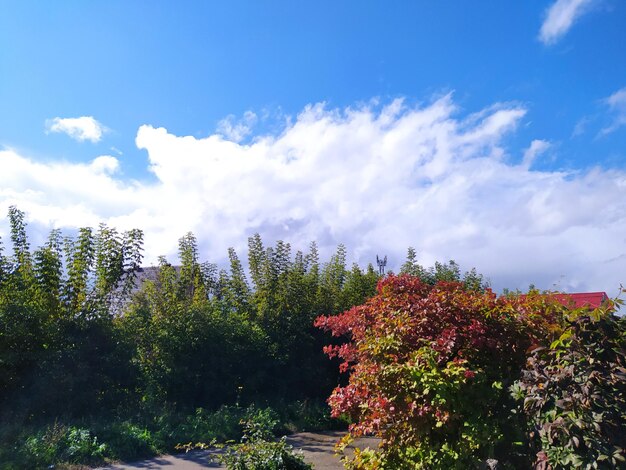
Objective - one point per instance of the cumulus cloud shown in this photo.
(80, 129)
(616, 104)
(377, 178)
(105, 164)
(560, 17)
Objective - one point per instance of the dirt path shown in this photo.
(318, 449)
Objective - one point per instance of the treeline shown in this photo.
(86, 333)
(75, 341)
(205, 337)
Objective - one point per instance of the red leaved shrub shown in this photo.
(430, 368)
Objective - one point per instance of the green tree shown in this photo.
(58, 337)
(411, 266)
(446, 272)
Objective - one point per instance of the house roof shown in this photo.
(583, 299)
(580, 299)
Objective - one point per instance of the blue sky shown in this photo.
(294, 119)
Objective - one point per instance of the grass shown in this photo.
(72, 444)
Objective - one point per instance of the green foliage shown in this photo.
(259, 424)
(248, 344)
(190, 430)
(176, 359)
(442, 272)
(264, 455)
(307, 415)
(126, 440)
(574, 394)
(58, 338)
(258, 450)
(100, 440)
(58, 444)
(79, 255)
(226, 352)
(19, 239)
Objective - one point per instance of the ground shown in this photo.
(318, 449)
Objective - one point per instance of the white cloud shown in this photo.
(537, 147)
(560, 17)
(105, 164)
(617, 107)
(236, 130)
(581, 126)
(377, 179)
(80, 129)
(617, 100)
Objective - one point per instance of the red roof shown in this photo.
(581, 299)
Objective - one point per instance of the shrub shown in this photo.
(574, 394)
(258, 451)
(307, 415)
(430, 368)
(127, 440)
(81, 446)
(43, 447)
(202, 426)
(59, 444)
(228, 424)
(264, 455)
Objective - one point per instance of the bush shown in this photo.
(127, 440)
(430, 368)
(43, 447)
(55, 444)
(258, 451)
(188, 431)
(151, 432)
(264, 455)
(307, 415)
(574, 394)
(81, 447)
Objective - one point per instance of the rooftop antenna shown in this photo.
(381, 264)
